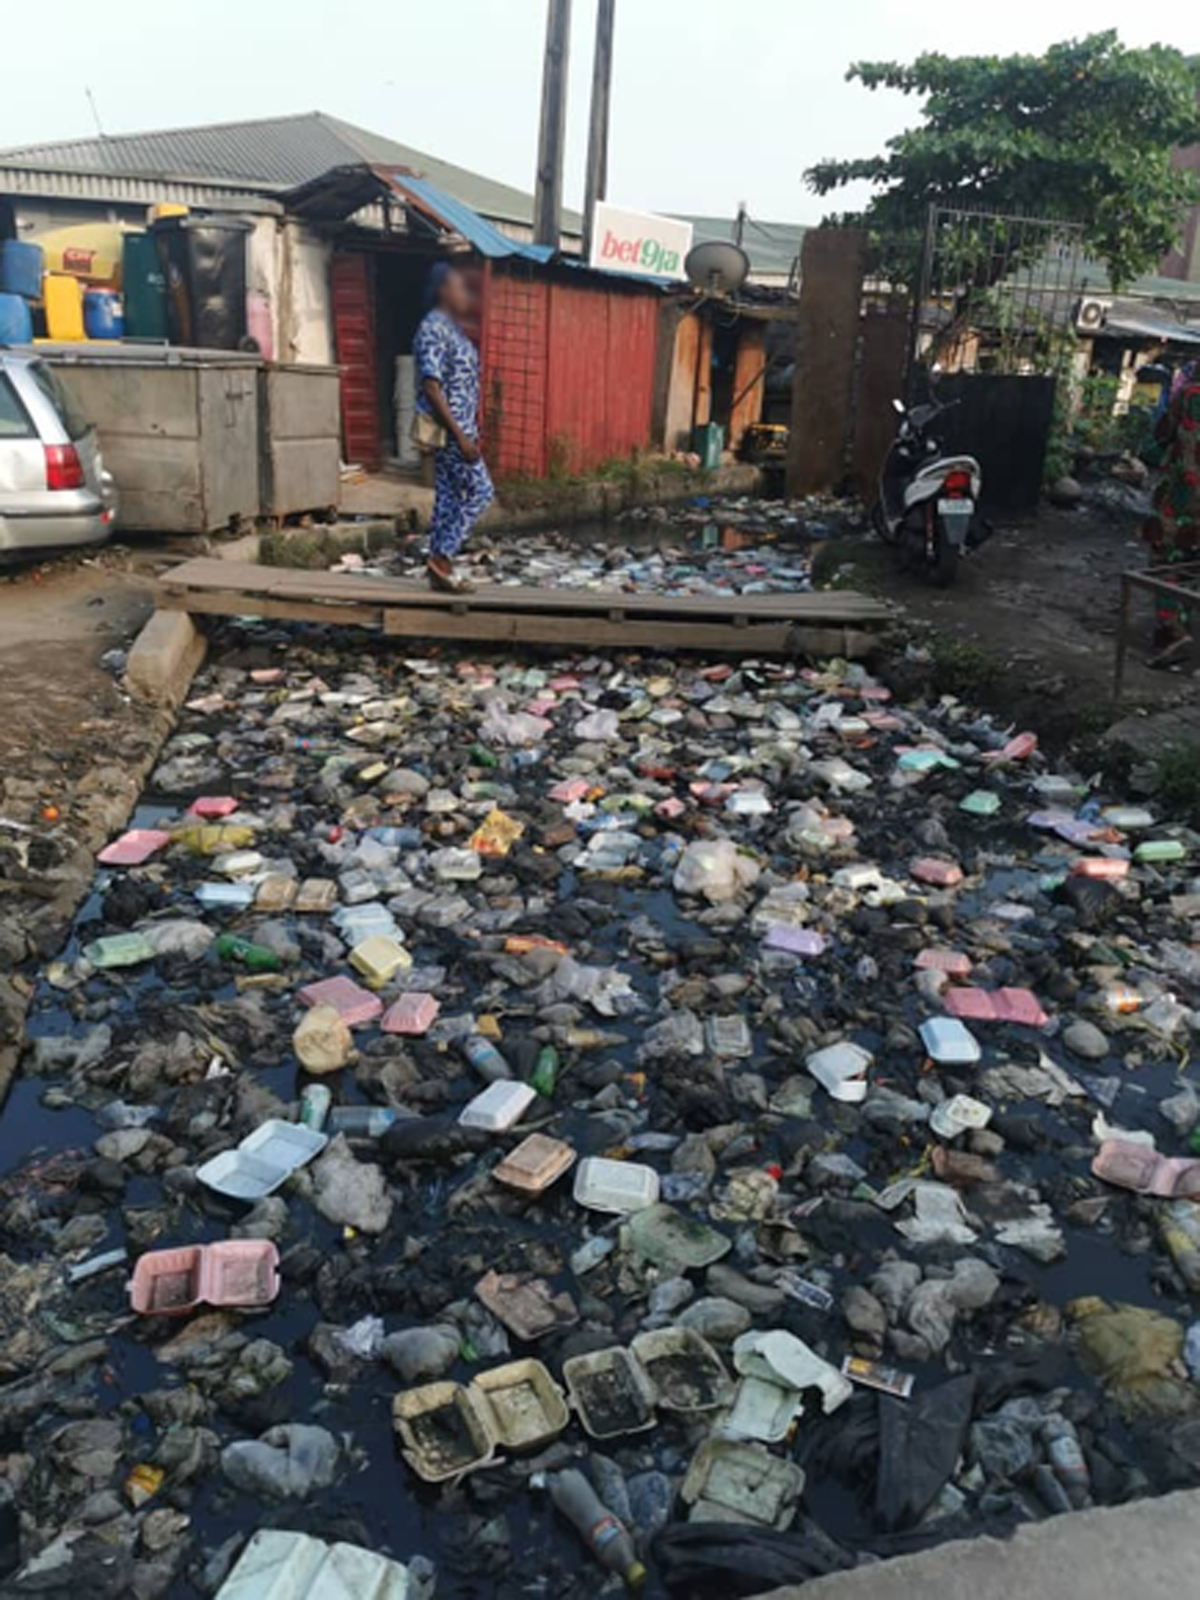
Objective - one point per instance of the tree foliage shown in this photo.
(1084, 133)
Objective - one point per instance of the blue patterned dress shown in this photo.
(462, 489)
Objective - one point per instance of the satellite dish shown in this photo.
(718, 266)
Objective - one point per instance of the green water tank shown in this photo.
(708, 441)
(144, 286)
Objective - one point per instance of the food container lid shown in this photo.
(535, 1163)
(619, 1187)
(499, 1107)
(949, 1041)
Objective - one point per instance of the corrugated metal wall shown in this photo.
(515, 318)
(568, 372)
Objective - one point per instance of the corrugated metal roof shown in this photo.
(771, 246)
(272, 153)
(461, 219)
(117, 189)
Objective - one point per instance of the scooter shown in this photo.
(928, 505)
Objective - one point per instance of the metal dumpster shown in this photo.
(300, 439)
(198, 440)
(179, 430)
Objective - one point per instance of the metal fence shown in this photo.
(996, 293)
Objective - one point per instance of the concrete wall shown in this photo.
(306, 305)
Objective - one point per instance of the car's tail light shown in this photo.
(64, 470)
(957, 485)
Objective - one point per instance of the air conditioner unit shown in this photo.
(1091, 313)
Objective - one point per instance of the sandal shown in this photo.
(446, 579)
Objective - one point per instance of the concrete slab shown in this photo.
(165, 658)
(1149, 1550)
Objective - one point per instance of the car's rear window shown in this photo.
(14, 420)
(74, 419)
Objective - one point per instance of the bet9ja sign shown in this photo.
(637, 244)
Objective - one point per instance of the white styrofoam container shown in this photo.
(960, 1114)
(292, 1566)
(949, 1041)
(762, 1410)
(499, 1107)
(841, 1070)
(619, 1187)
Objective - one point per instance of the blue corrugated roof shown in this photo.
(459, 217)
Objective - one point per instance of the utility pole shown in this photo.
(547, 209)
(597, 156)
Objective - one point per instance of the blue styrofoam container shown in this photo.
(16, 323)
(21, 268)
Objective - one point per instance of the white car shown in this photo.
(54, 491)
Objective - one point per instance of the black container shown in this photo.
(204, 263)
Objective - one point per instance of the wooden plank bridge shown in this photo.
(824, 622)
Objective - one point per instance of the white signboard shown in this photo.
(638, 244)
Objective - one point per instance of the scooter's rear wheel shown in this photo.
(944, 558)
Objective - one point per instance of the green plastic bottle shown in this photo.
(545, 1072)
(232, 947)
(481, 756)
(1160, 850)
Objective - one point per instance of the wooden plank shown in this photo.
(771, 638)
(229, 603)
(826, 605)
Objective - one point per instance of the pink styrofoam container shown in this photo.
(213, 805)
(412, 1013)
(997, 1005)
(350, 1000)
(932, 869)
(134, 847)
(233, 1272)
(952, 962)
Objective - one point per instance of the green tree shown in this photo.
(1083, 134)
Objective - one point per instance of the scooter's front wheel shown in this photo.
(879, 522)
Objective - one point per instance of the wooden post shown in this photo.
(833, 264)
(547, 210)
(597, 156)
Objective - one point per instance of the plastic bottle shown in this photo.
(481, 756)
(545, 1071)
(1067, 1459)
(363, 1122)
(314, 1106)
(1160, 850)
(485, 1058)
(608, 1539)
(232, 947)
(1179, 1225)
(1121, 1000)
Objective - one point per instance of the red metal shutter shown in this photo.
(352, 284)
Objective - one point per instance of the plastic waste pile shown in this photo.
(644, 1123)
(703, 546)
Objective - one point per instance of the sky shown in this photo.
(714, 102)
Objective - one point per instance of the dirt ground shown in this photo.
(74, 749)
(1030, 626)
(58, 705)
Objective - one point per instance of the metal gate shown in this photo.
(995, 314)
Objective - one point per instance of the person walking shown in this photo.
(447, 365)
(1173, 528)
